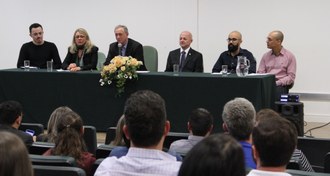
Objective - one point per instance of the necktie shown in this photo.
(123, 51)
(183, 58)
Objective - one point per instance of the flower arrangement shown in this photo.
(119, 70)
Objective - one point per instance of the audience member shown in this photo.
(297, 155)
(82, 54)
(217, 154)
(14, 157)
(121, 143)
(51, 134)
(274, 141)
(11, 114)
(38, 51)
(188, 59)
(70, 141)
(229, 57)
(146, 126)
(200, 125)
(125, 47)
(238, 120)
(280, 62)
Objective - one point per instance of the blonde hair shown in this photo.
(88, 45)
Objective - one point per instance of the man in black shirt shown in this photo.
(229, 57)
(38, 51)
(10, 119)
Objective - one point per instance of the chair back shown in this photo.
(305, 173)
(103, 151)
(38, 128)
(100, 60)
(327, 163)
(38, 148)
(110, 135)
(314, 149)
(150, 58)
(57, 171)
(173, 136)
(52, 160)
(293, 164)
(96, 165)
(90, 138)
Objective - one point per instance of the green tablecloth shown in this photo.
(40, 92)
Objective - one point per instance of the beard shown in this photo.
(232, 48)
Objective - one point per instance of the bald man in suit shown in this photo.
(189, 60)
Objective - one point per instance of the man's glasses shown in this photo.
(232, 39)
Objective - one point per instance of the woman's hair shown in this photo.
(14, 158)
(120, 138)
(52, 122)
(69, 140)
(88, 45)
(218, 154)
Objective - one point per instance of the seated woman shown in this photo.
(51, 126)
(82, 54)
(14, 158)
(70, 142)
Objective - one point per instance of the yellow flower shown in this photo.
(118, 71)
(134, 62)
(117, 61)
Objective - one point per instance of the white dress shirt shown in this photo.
(139, 161)
(255, 172)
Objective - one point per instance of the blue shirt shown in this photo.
(247, 149)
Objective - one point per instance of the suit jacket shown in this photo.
(27, 139)
(193, 62)
(133, 49)
(89, 59)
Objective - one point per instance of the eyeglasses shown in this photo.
(232, 39)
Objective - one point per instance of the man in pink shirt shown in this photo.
(280, 62)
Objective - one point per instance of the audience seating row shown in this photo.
(317, 150)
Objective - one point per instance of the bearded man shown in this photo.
(229, 57)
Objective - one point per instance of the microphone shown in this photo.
(119, 48)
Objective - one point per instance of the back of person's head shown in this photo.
(265, 114)
(217, 154)
(201, 122)
(120, 138)
(52, 122)
(69, 141)
(239, 118)
(9, 112)
(34, 25)
(14, 158)
(145, 118)
(274, 140)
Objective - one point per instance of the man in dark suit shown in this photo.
(125, 47)
(188, 59)
(11, 118)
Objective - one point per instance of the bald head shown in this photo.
(185, 39)
(235, 34)
(278, 35)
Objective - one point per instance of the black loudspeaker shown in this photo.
(294, 112)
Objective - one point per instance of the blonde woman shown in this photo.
(82, 54)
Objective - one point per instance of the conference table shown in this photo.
(40, 92)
